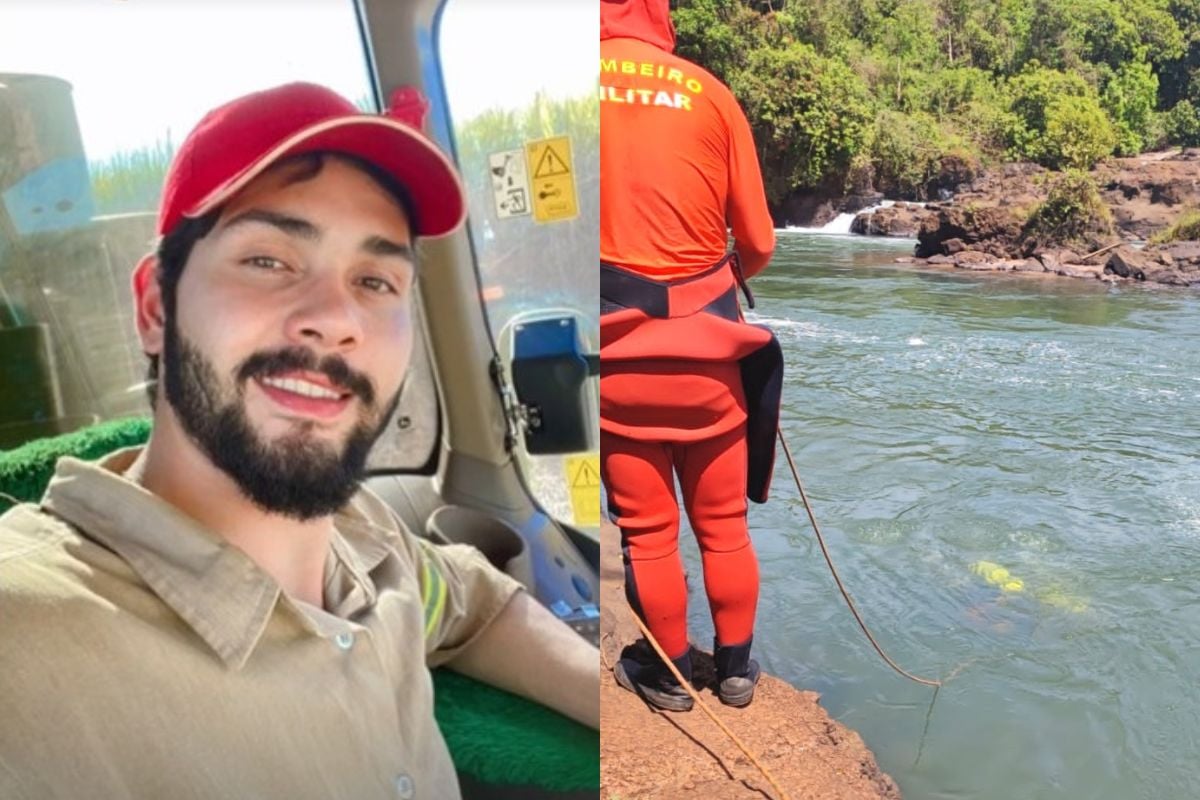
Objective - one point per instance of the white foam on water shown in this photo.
(804, 329)
(774, 322)
(838, 226)
(1187, 521)
(915, 341)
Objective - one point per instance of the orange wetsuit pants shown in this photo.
(640, 479)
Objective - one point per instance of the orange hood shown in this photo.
(646, 20)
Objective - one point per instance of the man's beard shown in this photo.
(297, 475)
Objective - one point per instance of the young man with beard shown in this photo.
(225, 612)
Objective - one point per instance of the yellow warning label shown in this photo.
(552, 179)
(583, 481)
(550, 164)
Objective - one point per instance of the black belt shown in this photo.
(621, 288)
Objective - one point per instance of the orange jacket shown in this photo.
(677, 160)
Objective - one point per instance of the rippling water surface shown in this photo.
(1049, 427)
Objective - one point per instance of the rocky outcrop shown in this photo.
(1175, 264)
(1016, 185)
(1167, 265)
(955, 170)
(806, 210)
(1147, 192)
(818, 208)
(951, 229)
(983, 227)
(902, 220)
(1129, 263)
(987, 228)
(1144, 192)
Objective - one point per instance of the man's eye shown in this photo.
(378, 285)
(265, 262)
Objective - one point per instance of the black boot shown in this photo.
(655, 684)
(737, 673)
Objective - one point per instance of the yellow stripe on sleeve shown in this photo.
(433, 595)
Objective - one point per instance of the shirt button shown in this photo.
(344, 640)
(405, 788)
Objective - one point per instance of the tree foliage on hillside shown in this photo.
(839, 89)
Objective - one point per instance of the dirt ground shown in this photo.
(645, 753)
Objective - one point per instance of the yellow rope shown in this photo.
(845, 595)
(838, 579)
(687, 685)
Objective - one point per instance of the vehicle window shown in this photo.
(526, 132)
(94, 97)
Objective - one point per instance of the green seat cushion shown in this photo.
(26, 471)
(499, 738)
(495, 737)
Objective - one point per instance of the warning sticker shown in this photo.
(552, 185)
(510, 183)
(550, 164)
(583, 481)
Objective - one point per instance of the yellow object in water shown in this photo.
(998, 576)
(1059, 599)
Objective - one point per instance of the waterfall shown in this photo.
(839, 225)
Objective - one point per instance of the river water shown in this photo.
(1046, 427)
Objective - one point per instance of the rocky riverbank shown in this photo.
(985, 226)
(646, 753)
(1167, 265)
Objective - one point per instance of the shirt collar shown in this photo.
(217, 589)
(357, 549)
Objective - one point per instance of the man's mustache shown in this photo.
(269, 364)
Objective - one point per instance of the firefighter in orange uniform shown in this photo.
(687, 387)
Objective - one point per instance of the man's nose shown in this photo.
(327, 317)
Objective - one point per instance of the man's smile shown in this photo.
(306, 394)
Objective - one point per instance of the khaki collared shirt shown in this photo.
(142, 657)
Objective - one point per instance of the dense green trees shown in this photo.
(811, 114)
(840, 91)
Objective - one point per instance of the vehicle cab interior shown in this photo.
(494, 441)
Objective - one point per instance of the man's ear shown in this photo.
(148, 305)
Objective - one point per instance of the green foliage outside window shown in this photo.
(130, 181)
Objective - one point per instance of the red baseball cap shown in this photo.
(235, 143)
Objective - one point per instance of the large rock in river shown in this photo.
(991, 230)
(1176, 264)
(1130, 263)
(901, 220)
